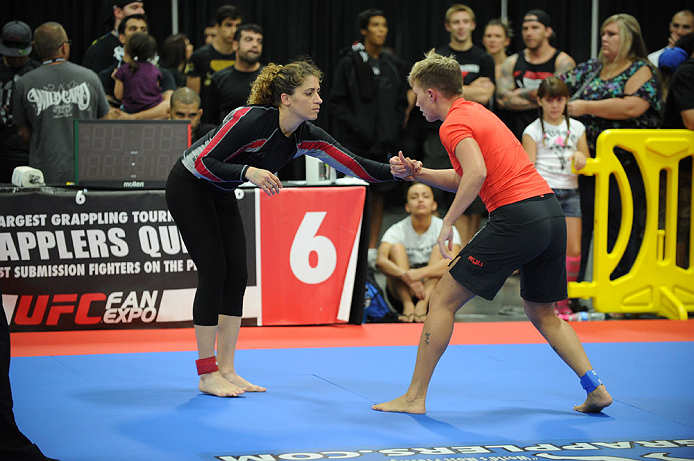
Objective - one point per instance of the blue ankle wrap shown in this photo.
(590, 381)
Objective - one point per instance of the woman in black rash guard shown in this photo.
(253, 142)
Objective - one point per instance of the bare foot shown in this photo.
(406, 318)
(595, 401)
(402, 404)
(236, 380)
(215, 384)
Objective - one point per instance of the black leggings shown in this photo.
(210, 224)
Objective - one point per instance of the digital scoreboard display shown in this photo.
(128, 154)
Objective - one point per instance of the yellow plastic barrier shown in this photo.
(655, 284)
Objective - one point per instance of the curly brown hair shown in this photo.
(276, 79)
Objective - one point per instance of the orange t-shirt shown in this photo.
(510, 175)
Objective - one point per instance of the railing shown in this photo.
(655, 283)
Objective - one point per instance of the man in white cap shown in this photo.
(15, 49)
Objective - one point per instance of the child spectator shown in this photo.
(552, 142)
(137, 80)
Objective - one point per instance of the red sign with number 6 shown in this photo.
(309, 250)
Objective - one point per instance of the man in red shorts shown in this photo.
(526, 230)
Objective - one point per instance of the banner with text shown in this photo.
(75, 259)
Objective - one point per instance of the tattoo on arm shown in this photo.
(563, 64)
(426, 338)
(508, 96)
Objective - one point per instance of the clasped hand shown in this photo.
(404, 167)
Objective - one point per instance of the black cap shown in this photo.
(540, 16)
(117, 4)
(16, 39)
(121, 3)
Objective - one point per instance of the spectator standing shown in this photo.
(175, 54)
(137, 23)
(496, 39)
(216, 56)
(185, 105)
(15, 62)
(477, 68)
(47, 100)
(409, 255)
(107, 49)
(682, 23)
(554, 142)
(137, 80)
(210, 32)
(231, 87)
(679, 114)
(618, 89)
(523, 72)
(368, 101)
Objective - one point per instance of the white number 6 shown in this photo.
(305, 242)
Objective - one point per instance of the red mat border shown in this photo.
(170, 340)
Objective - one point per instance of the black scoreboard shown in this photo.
(128, 154)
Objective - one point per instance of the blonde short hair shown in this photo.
(456, 8)
(438, 72)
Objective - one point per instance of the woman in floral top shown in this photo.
(619, 89)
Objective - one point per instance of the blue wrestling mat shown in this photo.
(486, 403)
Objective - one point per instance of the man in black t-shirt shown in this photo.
(477, 68)
(230, 87)
(128, 26)
(107, 49)
(476, 65)
(216, 56)
(15, 49)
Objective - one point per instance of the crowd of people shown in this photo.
(548, 111)
(370, 102)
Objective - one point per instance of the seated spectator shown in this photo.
(137, 80)
(185, 105)
(107, 50)
(175, 53)
(410, 257)
(231, 87)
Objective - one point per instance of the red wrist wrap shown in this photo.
(208, 365)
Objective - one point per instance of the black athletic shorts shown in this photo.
(529, 235)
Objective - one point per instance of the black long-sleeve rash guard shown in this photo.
(251, 136)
